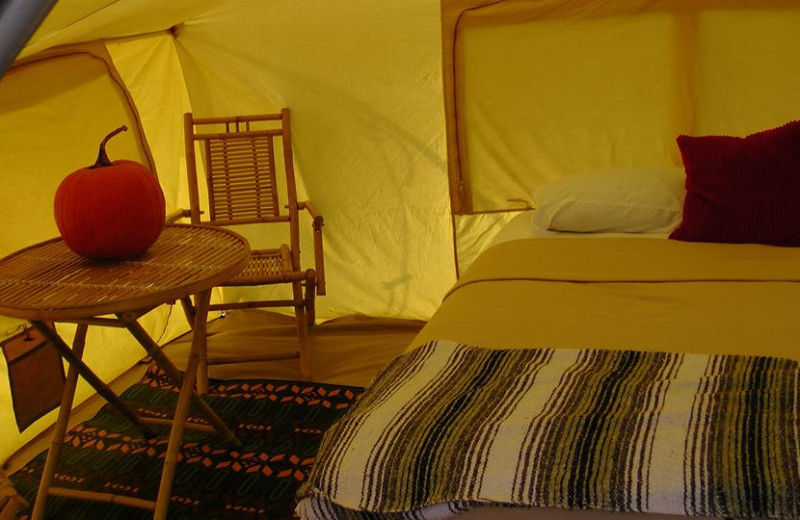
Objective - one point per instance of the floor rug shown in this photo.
(280, 424)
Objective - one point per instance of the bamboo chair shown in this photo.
(243, 187)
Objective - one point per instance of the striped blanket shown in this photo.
(447, 427)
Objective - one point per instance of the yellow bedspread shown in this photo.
(618, 293)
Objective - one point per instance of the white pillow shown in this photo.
(615, 201)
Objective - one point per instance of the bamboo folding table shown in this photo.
(47, 282)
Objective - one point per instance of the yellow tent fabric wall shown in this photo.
(365, 94)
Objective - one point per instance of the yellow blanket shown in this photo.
(617, 293)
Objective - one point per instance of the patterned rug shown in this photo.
(280, 424)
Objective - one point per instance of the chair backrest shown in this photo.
(244, 181)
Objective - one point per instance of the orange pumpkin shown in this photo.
(110, 210)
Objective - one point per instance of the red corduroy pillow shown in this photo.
(742, 189)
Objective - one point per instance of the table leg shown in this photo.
(60, 428)
(103, 389)
(184, 399)
(152, 348)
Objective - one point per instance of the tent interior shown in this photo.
(419, 128)
(95, 65)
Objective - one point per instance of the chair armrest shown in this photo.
(319, 260)
(317, 218)
(177, 215)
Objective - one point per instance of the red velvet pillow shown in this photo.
(742, 189)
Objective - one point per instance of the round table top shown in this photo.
(48, 281)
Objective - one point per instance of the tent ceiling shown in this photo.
(72, 21)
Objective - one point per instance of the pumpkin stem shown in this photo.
(102, 156)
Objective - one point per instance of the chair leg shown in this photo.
(302, 337)
(311, 293)
(301, 316)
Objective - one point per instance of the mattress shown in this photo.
(613, 294)
(648, 294)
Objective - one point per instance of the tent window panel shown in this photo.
(560, 92)
(559, 96)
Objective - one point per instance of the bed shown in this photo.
(566, 377)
